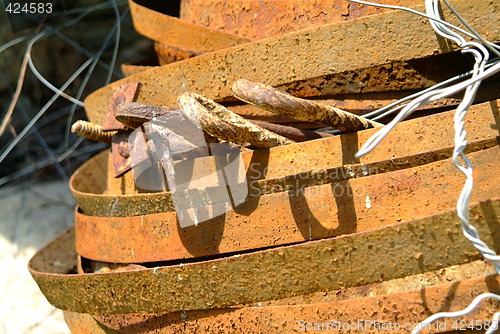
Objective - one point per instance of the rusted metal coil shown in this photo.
(245, 18)
(98, 196)
(277, 101)
(264, 275)
(378, 303)
(316, 52)
(309, 213)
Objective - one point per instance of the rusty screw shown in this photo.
(280, 102)
(92, 131)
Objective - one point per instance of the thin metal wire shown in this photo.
(472, 30)
(423, 15)
(59, 92)
(14, 42)
(43, 110)
(46, 147)
(492, 328)
(42, 79)
(44, 163)
(373, 141)
(82, 50)
(96, 58)
(48, 32)
(118, 20)
(390, 108)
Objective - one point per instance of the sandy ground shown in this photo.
(30, 217)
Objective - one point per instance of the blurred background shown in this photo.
(48, 65)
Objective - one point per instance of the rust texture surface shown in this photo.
(278, 17)
(322, 239)
(95, 194)
(79, 323)
(275, 273)
(174, 32)
(362, 103)
(380, 83)
(131, 69)
(121, 94)
(356, 205)
(120, 153)
(410, 306)
(169, 54)
(316, 52)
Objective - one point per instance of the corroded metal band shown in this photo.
(247, 17)
(281, 218)
(177, 33)
(316, 52)
(332, 160)
(397, 308)
(169, 54)
(258, 276)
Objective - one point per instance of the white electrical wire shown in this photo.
(493, 325)
(479, 72)
(471, 85)
(423, 99)
(391, 108)
(493, 47)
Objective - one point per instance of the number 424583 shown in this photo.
(31, 8)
